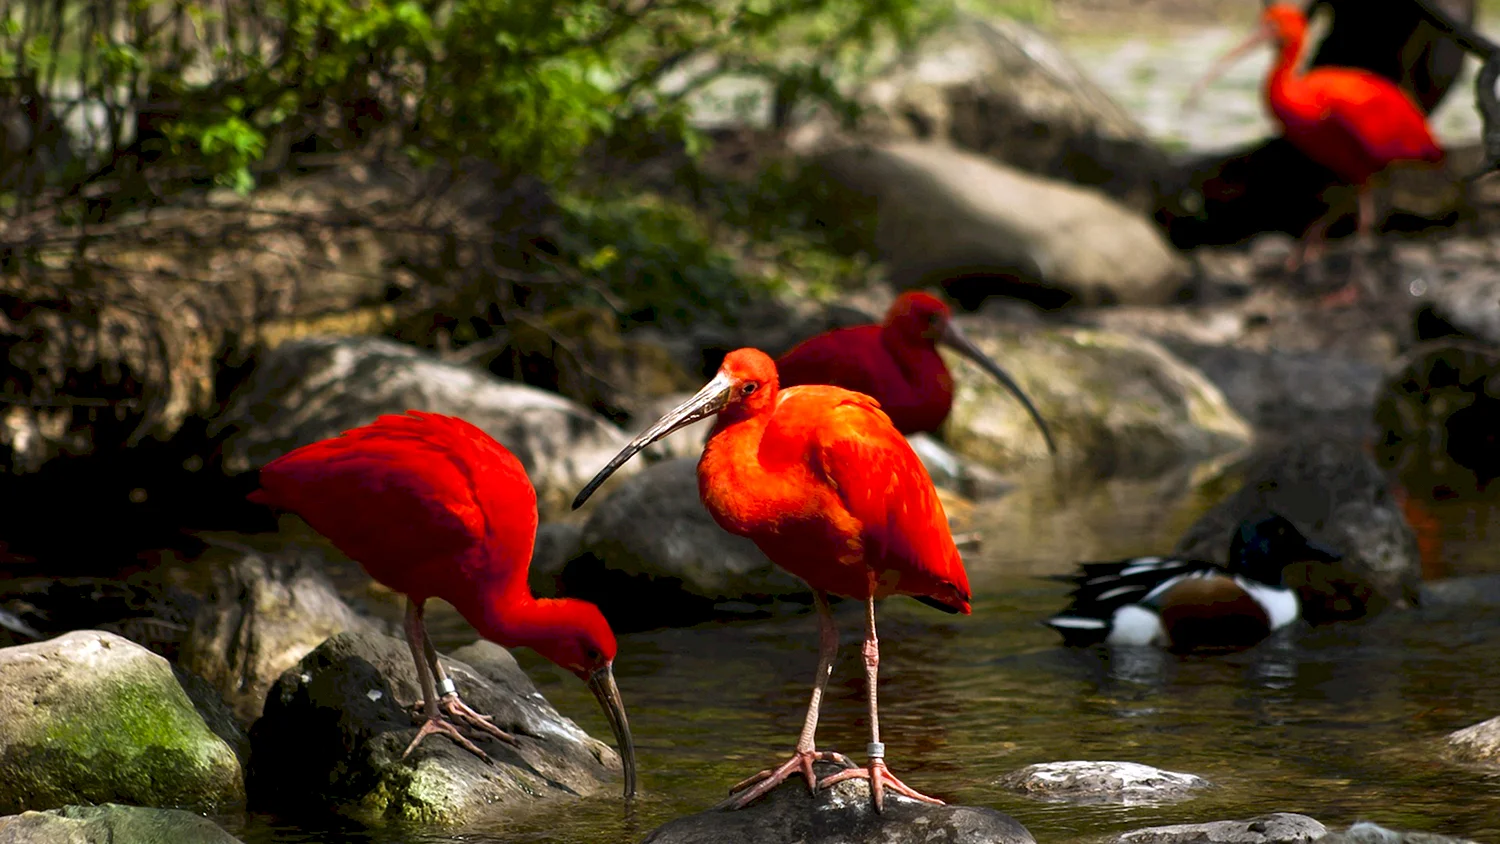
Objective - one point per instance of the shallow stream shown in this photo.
(1342, 723)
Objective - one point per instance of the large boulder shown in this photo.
(335, 726)
(111, 823)
(1116, 404)
(90, 717)
(263, 614)
(651, 555)
(1365, 832)
(1469, 299)
(1278, 828)
(842, 814)
(310, 389)
(1125, 783)
(1002, 89)
(1332, 492)
(943, 213)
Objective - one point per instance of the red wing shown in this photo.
(884, 485)
(1387, 124)
(395, 490)
(842, 358)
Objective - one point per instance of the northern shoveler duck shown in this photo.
(1187, 604)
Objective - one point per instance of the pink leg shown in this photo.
(449, 701)
(1349, 294)
(805, 755)
(416, 635)
(876, 772)
(1311, 245)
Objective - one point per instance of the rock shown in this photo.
(1369, 833)
(1290, 392)
(946, 214)
(153, 615)
(842, 814)
(336, 724)
(111, 823)
(1436, 417)
(556, 544)
(1278, 828)
(651, 555)
(1000, 88)
(1480, 590)
(90, 717)
(1126, 783)
(1471, 301)
(1478, 743)
(264, 613)
(1116, 404)
(1332, 492)
(310, 389)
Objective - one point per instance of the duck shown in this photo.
(1185, 604)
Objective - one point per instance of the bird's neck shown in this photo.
(732, 464)
(506, 613)
(927, 393)
(1285, 75)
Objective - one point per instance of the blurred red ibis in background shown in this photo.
(1352, 121)
(897, 364)
(433, 507)
(824, 484)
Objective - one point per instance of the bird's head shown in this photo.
(918, 318)
(574, 634)
(1266, 543)
(745, 385)
(1282, 24)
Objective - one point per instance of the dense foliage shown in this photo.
(227, 86)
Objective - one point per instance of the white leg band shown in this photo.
(875, 750)
(445, 687)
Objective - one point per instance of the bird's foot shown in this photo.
(438, 725)
(880, 778)
(459, 711)
(747, 791)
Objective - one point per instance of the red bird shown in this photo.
(1353, 122)
(897, 363)
(825, 485)
(433, 507)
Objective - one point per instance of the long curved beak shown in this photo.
(602, 684)
(1322, 553)
(955, 340)
(1261, 35)
(708, 401)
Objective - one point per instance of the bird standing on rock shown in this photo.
(822, 482)
(897, 363)
(433, 507)
(1354, 122)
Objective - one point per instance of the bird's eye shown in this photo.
(748, 388)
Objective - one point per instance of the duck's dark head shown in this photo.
(1267, 543)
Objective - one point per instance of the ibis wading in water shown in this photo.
(1353, 122)
(824, 484)
(433, 507)
(897, 363)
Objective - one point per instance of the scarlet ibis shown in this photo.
(897, 363)
(1187, 604)
(1349, 120)
(824, 484)
(433, 507)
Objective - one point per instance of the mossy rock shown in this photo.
(90, 717)
(1116, 404)
(111, 824)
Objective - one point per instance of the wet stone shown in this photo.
(842, 814)
(1125, 783)
(1478, 743)
(1278, 828)
(336, 724)
(111, 823)
(89, 717)
(1369, 833)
